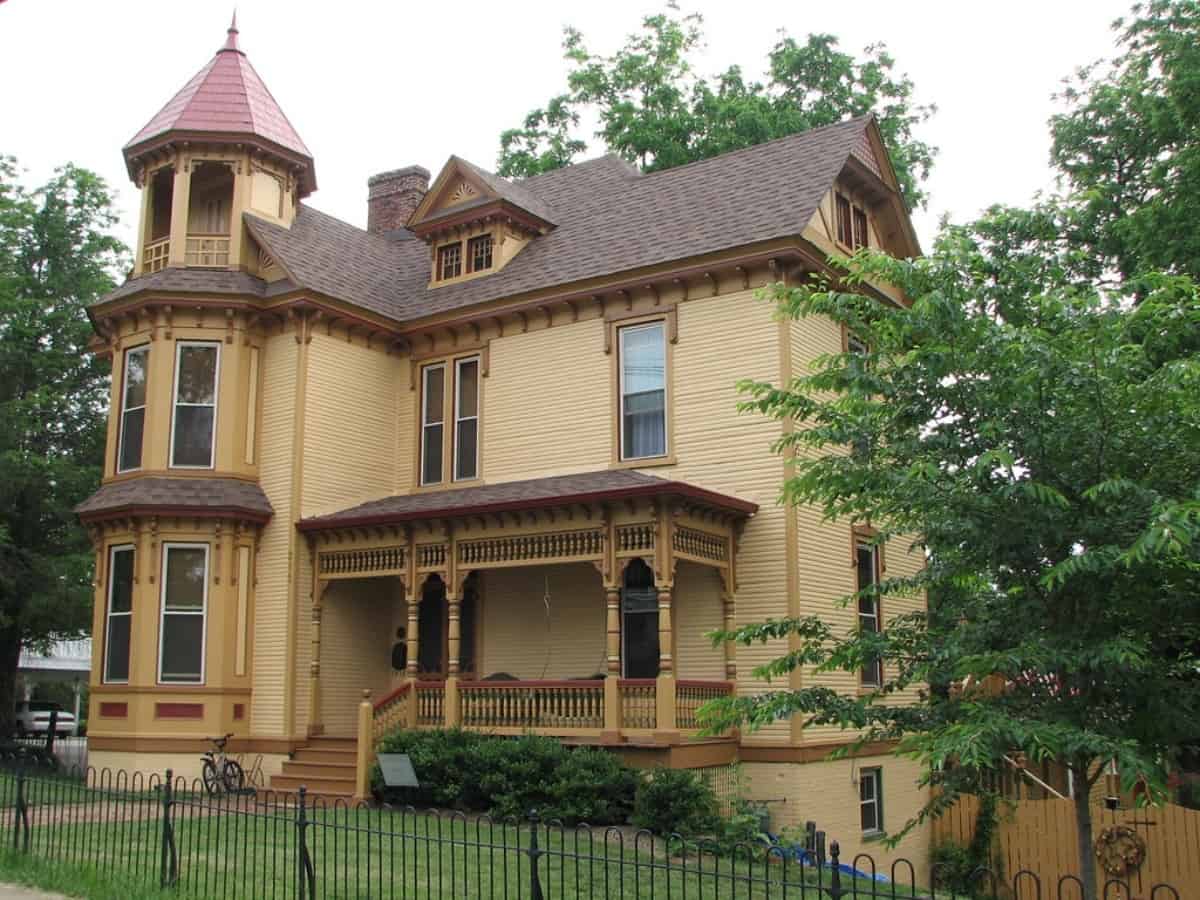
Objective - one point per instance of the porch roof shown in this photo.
(535, 493)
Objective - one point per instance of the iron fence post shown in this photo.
(835, 881)
(50, 733)
(306, 887)
(168, 867)
(535, 881)
(19, 814)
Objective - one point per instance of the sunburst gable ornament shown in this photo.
(462, 193)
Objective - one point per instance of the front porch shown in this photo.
(562, 609)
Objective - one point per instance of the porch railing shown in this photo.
(207, 250)
(638, 702)
(431, 703)
(690, 695)
(391, 712)
(155, 254)
(554, 705)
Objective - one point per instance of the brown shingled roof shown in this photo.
(193, 280)
(610, 218)
(193, 496)
(588, 487)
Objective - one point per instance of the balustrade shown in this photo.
(207, 250)
(691, 695)
(155, 254)
(390, 713)
(553, 705)
(431, 703)
(638, 702)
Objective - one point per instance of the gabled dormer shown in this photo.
(219, 148)
(475, 222)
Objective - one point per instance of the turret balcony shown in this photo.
(207, 250)
(155, 254)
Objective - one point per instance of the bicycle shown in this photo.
(219, 772)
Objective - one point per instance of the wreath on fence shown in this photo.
(1120, 850)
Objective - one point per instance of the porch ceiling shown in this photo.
(516, 496)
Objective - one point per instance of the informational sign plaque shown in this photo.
(397, 770)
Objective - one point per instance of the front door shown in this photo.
(431, 620)
(639, 622)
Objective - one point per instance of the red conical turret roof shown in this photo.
(226, 98)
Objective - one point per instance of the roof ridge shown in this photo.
(855, 120)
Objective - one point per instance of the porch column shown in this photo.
(665, 688)
(453, 639)
(315, 725)
(414, 647)
(612, 674)
(729, 604)
(181, 191)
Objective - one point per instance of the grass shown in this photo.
(81, 838)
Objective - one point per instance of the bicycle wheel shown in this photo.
(212, 781)
(235, 778)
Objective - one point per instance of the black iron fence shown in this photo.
(168, 833)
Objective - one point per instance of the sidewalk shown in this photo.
(15, 892)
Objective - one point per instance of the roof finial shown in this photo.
(231, 42)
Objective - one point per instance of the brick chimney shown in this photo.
(392, 197)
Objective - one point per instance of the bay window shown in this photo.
(184, 610)
(643, 389)
(194, 418)
(118, 615)
(133, 409)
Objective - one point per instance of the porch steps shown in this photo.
(324, 766)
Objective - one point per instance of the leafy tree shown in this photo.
(56, 257)
(1128, 145)
(655, 110)
(1043, 439)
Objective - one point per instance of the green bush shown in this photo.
(592, 785)
(675, 801)
(444, 761)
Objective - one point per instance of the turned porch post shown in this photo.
(612, 673)
(411, 638)
(453, 640)
(665, 686)
(729, 605)
(315, 724)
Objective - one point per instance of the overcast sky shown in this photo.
(376, 85)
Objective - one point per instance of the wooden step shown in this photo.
(332, 743)
(321, 755)
(315, 785)
(307, 769)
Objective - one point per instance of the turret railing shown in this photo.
(154, 255)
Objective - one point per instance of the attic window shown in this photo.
(449, 259)
(479, 250)
(851, 224)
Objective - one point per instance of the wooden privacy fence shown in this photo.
(1041, 836)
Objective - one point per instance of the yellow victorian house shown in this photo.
(480, 464)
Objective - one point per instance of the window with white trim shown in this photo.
(118, 615)
(870, 800)
(194, 417)
(133, 409)
(466, 419)
(183, 613)
(867, 556)
(433, 418)
(642, 367)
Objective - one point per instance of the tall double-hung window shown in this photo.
(184, 609)
(450, 396)
(867, 556)
(194, 417)
(118, 615)
(133, 409)
(643, 387)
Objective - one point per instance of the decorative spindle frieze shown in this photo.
(580, 544)
(431, 557)
(361, 562)
(701, 545)
(635, 539)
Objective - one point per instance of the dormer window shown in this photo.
(449, 258)
(851, 223)
(479, 250)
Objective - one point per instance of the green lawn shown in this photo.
(247, 849)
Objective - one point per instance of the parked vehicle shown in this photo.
(33, 717)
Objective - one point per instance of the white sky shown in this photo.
(377, 85)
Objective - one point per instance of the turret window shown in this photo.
(193, 424)
(449, 260)
(133, 410)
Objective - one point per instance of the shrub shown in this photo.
(592, 785)
(516, 775)
(675, 801)
(444, 763)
